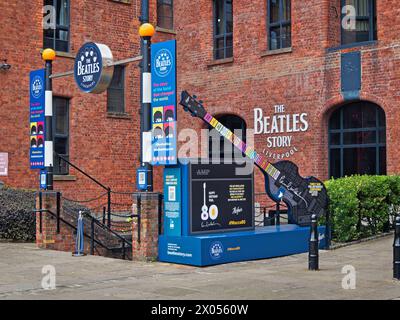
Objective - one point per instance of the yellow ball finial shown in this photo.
(48, 55)
(146, 30)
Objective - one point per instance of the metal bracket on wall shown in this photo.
(115, 63)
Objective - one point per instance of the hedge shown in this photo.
(361, 206)
(17, 221)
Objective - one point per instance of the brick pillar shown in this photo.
(49, 238)
(146, 248)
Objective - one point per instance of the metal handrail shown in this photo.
(70, 225)
(95, 181)
(83, 172)
(107, 228)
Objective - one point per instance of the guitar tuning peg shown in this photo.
(201, 101)
(194, 96)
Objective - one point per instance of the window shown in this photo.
(357, 140)
(279, 25)
(116, 91)
(365, 27)
(218, 144)
(58, 38)
(61, 134)
(165, 14)
(223, 29)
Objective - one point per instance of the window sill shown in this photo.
(66, 177)
(164, 30)
(353, 45)
(122, 1)
(63, 54)
(276, 52)
(117, 115)
(220, 61)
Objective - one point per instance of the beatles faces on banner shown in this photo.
(163, 122)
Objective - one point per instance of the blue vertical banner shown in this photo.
(172, 202)
(37, 118)
(164, 113)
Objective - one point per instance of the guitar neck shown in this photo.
(259, 160)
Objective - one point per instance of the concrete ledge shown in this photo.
(64, 178)
(62, 54)
(275, 52)
(119, 115)
(219, 62)
(146, 195)
(163, 30)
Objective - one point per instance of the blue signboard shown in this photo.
(90, 72)
(37, 118)
(351, 75)
(172, 202)
(164, 113)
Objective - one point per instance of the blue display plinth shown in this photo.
(209, 218)
(261, 243)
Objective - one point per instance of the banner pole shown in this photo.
(48, 56)
(146, 31)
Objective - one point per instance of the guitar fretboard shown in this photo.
(260, 160)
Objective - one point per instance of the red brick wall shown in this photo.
(104, 146)
(305, 80)
(20, 42)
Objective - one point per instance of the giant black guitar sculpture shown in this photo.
(304, 196)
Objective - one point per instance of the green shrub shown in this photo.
(17, 221)
(361, 206)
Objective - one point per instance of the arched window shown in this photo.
(217, 145)
(357, 140)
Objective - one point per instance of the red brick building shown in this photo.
(350, 101)
(317, 83)
(99, 133)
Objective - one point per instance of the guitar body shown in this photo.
(303, 196)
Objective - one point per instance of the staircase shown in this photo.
(107, 217)
(103, 240)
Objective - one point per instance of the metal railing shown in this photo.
(108, 189)
(60, 219)
(107, 206)
(93, 222)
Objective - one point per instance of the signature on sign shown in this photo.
(237, 210)
(289, 187)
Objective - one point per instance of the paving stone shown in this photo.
(93, 277)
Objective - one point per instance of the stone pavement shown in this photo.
(92, 277)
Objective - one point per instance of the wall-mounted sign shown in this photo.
(3, 164)
(37, 117)
(141, 178)
(280, 131)
(172, 202)
(43, 179)
(220, 200)
(92, 70)
(164, 115)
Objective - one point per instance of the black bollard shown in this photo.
(313, 257)
(278, 214)
(396, 250)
